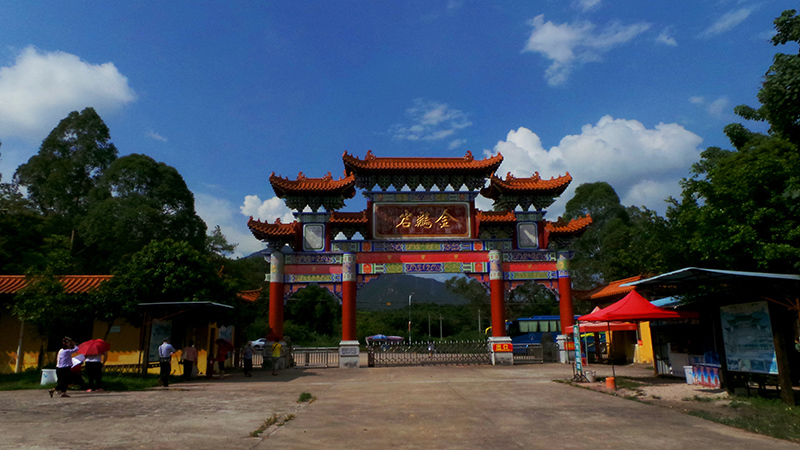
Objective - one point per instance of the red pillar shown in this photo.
(496, 294)
(564, 292)
(349, 297)
(276, 292)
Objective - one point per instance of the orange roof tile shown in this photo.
(266, 230)
(514, 185)
(250, 296)
(467, 163)
(573, 226)
(495, 216)
(612, 289)
(304, 185)
(353, 218)
(73, 284)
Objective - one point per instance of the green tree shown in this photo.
(739, 208)
(20, 230)
(163, 271)
(135, 201)
(780, 92)
(70, 161)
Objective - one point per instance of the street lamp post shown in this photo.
(409, 317)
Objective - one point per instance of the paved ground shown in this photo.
(464, 407)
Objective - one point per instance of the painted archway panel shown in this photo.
(419, 246)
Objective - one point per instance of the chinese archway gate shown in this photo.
(418, 231)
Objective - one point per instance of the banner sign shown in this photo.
(747, 335)
(503, 348)
(421, 220)
(576, 338)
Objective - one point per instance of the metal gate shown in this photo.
(535, 353)
(424, 353)
(315, 356)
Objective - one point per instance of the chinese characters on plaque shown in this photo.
(404, 220)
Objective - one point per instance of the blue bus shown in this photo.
(531, 330)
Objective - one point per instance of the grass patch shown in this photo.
(769, 417)
(626, 383)
(112, 381)
(267, 423)
(305, 397)
(697, 398)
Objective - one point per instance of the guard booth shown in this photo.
(420, 219)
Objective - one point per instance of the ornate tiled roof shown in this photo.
(609, 292)
(573, 227)
(250, 296)
(270, 231)
(374, 165)
(495, 216)
(348, 218)
(343, 187)
(73, 284)
(534, 185)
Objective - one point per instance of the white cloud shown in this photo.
(571, 45)
(665, 37)
(728, 21)
(643, 165)
(456, 143)
(430, 121)
(269, 209)
(155, 136)
(587, 5)
(41, 88)
(718, 108)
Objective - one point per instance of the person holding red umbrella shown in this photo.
(96, 352)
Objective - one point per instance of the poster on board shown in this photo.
(747, 334)
(160, 330)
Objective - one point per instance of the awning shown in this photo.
(634, 307)
(602, 327)
(686, 279)
(163, 310)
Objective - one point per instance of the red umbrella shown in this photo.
(94, 347)
(224, 344)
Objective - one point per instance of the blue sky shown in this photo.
(228, 92)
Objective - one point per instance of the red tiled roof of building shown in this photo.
(609, 291)
(73, 284)
(250, 296)
(265, 230)
(344, 187)
(533, 184)
(495, 216)
(354, 218)
(467, 163)
(573, 226)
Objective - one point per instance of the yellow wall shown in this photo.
(124, 346)
(644, 352)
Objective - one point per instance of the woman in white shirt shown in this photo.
(64, 366)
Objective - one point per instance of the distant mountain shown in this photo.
(392, 291)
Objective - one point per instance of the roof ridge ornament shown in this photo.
(468, 156)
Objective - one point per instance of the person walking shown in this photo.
(165, 351)
(276, 356)
(248, 359)
(64, 366)
(189, 356)
(94, 371)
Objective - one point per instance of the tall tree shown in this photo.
(739, 208)
(70, 161)
(135, 201)
(20, 230)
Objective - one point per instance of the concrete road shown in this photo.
(464, 407)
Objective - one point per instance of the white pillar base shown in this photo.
(349, 355)
(563, 351)
(497, 346)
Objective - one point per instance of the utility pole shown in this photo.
(440, 326)
(429, 324)
(480, 329)
(409, 317)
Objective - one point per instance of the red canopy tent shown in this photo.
(634, 307)
(600, 327)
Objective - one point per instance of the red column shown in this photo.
(276, 263)
(564, 292)
(496, 294)
(349, 297)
